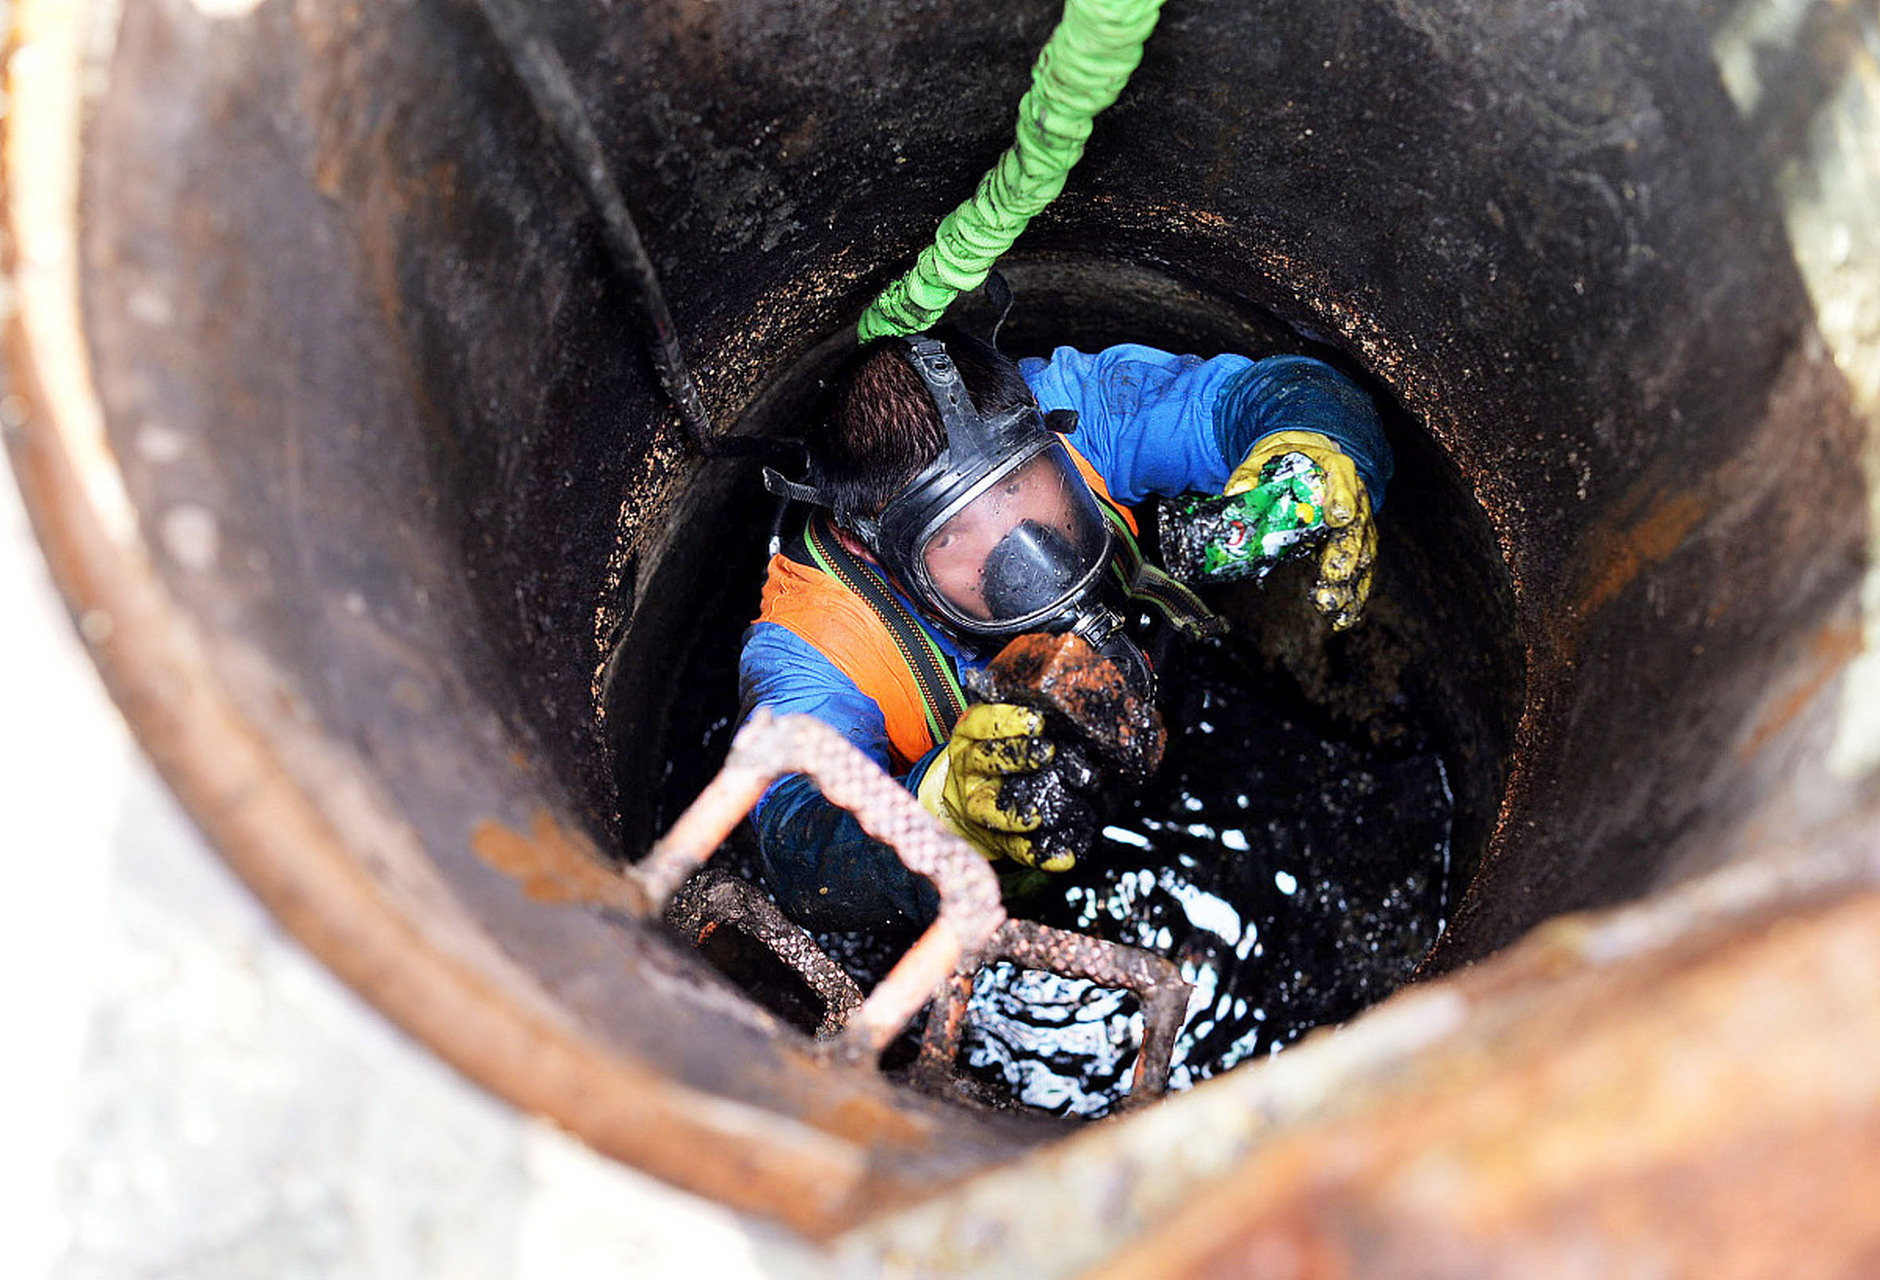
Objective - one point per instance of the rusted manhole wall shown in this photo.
(381, 415)
(1441, 633)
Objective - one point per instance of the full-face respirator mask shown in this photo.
(999, 535)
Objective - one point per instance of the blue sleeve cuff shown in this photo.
(1298, 393)
(827, 873)
(913, 779)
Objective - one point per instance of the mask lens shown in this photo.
(1029, 540)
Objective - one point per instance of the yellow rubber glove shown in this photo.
(1345, 562)
(963, 787)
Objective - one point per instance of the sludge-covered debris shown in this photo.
(1293, 861)
(1295, 868)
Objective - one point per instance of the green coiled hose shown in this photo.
(1081, 70)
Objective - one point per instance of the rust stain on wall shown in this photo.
(550, 862)
(1829, 651)
(863, 1119)
(1617, 558)
(1729, 1069)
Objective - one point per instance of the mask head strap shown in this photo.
(971, 438)
(999, 294)
(776, 482)
(973, 442)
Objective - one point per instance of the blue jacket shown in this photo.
(1149, 423)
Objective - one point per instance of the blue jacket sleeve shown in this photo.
(1298, 393)
(1155, 423)
(826, 872)
(1145, 418)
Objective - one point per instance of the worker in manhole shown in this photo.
(960, 499)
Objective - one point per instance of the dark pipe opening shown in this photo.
(1407, 722)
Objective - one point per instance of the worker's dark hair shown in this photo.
(882, 428)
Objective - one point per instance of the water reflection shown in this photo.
(1295, 869)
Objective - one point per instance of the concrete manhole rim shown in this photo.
(287, 849)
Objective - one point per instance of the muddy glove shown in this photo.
(1345, 562)
(994, 786)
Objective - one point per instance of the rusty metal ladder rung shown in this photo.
(971, 929)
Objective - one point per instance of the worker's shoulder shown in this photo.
(818, 609)
(1073, 361)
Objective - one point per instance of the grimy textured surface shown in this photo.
(334, 434)
(190, 1094)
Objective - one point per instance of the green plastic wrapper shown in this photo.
(1249, 534)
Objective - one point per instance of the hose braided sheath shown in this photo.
(1081, 70)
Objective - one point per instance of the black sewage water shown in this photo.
(1297, 853)
(1292, 861)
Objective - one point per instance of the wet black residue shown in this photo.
(1292, 855)
(1293, 864)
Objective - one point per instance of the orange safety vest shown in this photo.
(841, 626)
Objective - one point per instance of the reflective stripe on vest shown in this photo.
(804, 597)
